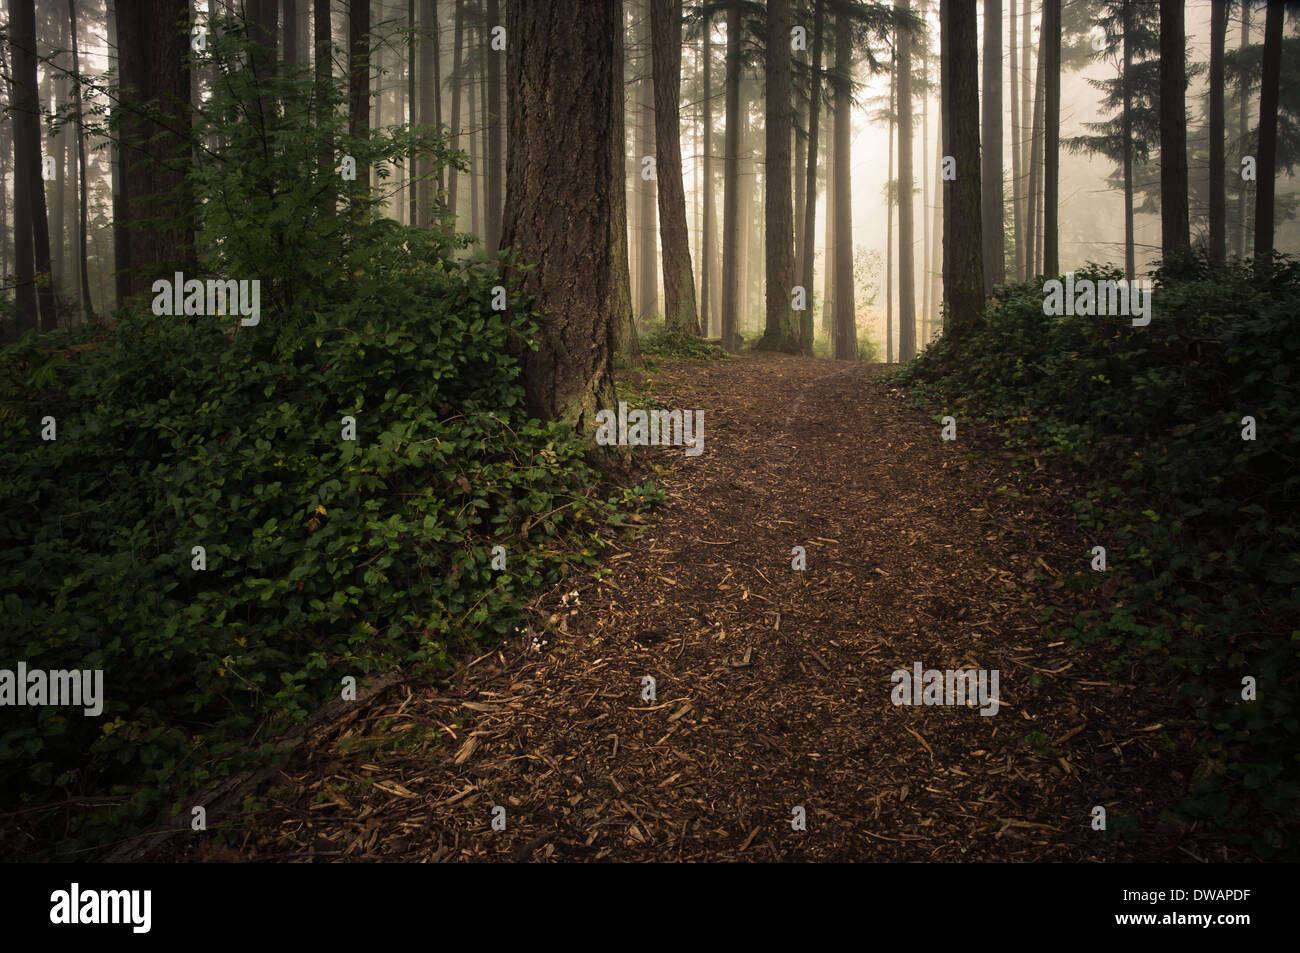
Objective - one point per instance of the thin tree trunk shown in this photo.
(1269, 86)
(457, 83)
(475, 175)
(963, 270)
(991, 212)
(846, 332)
(121, 249)
(1130, 260)
(624, 342)
(1218, 195)
(1034, 251)
(708, 277)
(936, 236)
(1017, 223)
(647, 223)
(359, 81)
(494, 155)
(891, 198)
(87, 308)
(1052, 140)
(828, 248)
(416, 182)
(926, 191)
(1028, 91)
(1175, 226)
(779, 332)
(1243, 132)
(323, 40)
(810, 187)
(679, 280)
(731, 195)
(906, 254)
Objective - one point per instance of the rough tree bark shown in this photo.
(846, 324)
(558, 208)
(1051, 138)
(810, 187)
(679, 280)
(731, 196)
(1266, 182)
(153, 42)
(906, 227)
(1175, 226)
(779, 333)
(991, 213)
(963, 269)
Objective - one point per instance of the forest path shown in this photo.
(772, 685)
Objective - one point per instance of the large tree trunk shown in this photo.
(810, 187)
(963, 269)
(1218, 194)
(24, 103)
(1175, 226)
(779, 333)
(1017, 219)
(153, 43)
(679, 280)
(1269, 85)
(292, 44)
(1052, 139)
(494, 157)
(558, 208)
(87, 308)
(731, 194)
(991, 213)
(846, 322)
(34, 270)
(623, 336)
(906, 256)
(263, 17)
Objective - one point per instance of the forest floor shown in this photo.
(772, 685)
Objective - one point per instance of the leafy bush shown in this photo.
(675, 344)
(1204, 523)
(325, 557)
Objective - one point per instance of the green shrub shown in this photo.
(325, 557)
(1204, 524)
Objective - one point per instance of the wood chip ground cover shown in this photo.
(772, 685)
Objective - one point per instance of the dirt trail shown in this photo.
(772, 685)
